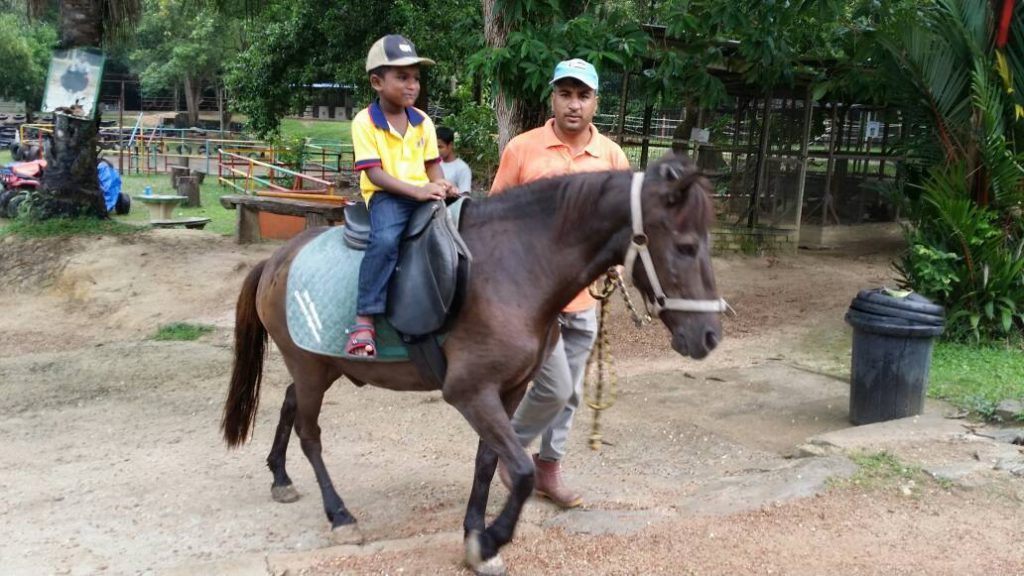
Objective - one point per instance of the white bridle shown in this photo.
(638, 246)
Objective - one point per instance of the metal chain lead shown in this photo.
(601, 356)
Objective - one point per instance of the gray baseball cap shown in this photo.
(394, 50)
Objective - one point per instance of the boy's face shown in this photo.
(574, 104)
(400, 85)
(445, 149)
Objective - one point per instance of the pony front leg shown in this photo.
(486, 414)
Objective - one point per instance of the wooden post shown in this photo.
(804, 146)
(826, 197)
(762, 157)
(623, 96)
(177, 172)
(188, 186)
(645, 143)
(247, 225)
(314, 219)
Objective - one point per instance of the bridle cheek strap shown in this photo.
(638, 246)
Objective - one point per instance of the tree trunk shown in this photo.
(193, 93)
(514, 115)
(70, 186)
(81, 23)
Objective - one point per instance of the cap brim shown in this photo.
(574, 77)
(410, 61)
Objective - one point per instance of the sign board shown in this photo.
(73, 82)
(874, 129)
(700, 136)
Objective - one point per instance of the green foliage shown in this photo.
(178, 39)
(977, 378)
(182, 331)
(63, 227)
(962, 255)
(25, 52)
(547, 33)
(290, 153)
(295, 44)
(475, 128)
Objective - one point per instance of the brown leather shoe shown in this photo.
(548, 484)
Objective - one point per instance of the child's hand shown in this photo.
(431, 191)
(451, 190)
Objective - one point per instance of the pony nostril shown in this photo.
(710, 339)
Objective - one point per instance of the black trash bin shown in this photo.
(893, 334)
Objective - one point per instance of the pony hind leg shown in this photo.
(282, 489)
(311, 383)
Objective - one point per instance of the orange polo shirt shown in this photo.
(540, 154)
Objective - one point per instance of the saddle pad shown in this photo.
(322, 285)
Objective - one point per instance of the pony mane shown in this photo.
(570, 198)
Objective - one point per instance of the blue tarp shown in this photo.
(110, 183)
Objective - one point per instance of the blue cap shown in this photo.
(579, 69)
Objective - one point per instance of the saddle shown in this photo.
(429, 282)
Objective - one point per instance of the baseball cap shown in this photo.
(579, 69)
(393, 50)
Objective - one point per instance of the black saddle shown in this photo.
(429, 282)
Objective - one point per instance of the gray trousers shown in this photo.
(549, 405)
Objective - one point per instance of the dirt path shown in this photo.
(114, 463)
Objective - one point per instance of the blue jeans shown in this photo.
(389, 213)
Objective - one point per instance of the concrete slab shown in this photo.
(928, 427)
(797, 479)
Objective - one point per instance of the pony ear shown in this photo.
(670, 172)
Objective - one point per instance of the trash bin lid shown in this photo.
(890, 326)
(907, 317)
(900, 301)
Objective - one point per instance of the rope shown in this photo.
(601, 361)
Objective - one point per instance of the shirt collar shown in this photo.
(380, 121)
(551, 139)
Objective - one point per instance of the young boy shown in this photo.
(396, 152)
(455, 169)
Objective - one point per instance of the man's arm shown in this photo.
(508, 171)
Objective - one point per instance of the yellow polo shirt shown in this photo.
(539, 153)
(376, 143)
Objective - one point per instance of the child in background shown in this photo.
(455, 169)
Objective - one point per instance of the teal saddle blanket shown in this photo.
(321, 304)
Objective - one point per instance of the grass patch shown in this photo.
(222, 220)
(182, 331)
(335, 131)
(59, 227)
(881, 470)
(977, 378)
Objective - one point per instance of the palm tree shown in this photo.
(70, 187)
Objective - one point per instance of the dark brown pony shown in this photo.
(534, 248)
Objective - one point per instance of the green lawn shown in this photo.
(321, 131)
(977, 378)
(222, 220)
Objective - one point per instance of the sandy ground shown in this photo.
(112, 461)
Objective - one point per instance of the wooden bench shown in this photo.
(248, 223)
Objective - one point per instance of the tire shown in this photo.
(5, 197)
(14, 205)
(123, 205)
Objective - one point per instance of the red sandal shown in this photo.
(357, 343)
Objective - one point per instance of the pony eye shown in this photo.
(688, 249)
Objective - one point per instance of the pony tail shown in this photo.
(247, 372)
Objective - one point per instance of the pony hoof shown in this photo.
(284, 494)
(346, 534)
(493, 566)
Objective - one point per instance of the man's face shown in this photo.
(400, 85)
(444, 149)
(574, 105)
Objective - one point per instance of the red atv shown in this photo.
(20, 178)
(16, 181)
